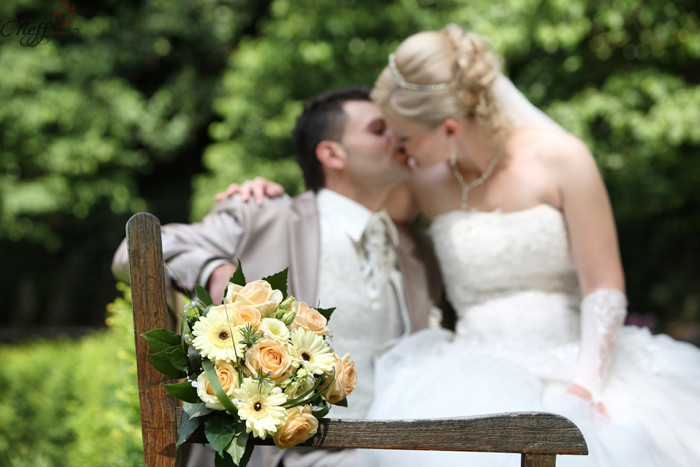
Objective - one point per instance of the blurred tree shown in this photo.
(622, 75)
(95, 126)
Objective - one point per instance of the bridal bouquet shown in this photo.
(259, 363)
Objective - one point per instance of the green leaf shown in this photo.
(162, 339)
(162, 363)
(326, 312)
(278, 281)
(178, 358)
(321, 412)
(219, 428)
(197, 409)
(202, 295)
(238, 277)
(183, 391)
(342, 403)
(216, 386)
(188, 425)
(242, 445)
(194, 358)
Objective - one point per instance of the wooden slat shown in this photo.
(158, 408)
(517, 432)
(512, 432)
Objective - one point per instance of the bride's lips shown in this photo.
(404, 159)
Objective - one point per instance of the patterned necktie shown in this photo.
(379, 253)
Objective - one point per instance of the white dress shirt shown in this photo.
(363, 323)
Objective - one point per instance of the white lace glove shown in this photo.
(603, 312)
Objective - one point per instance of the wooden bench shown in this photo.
(537, 437)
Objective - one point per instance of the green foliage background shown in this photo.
(73, 403)
(157, 105)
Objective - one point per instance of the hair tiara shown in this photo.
(402, 83)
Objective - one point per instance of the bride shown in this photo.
(525, 236)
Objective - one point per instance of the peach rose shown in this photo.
(309, 318)
(271, 357)
(345, 379)
(258, 294)
(228, 377)
(245, 315)
(300, 426)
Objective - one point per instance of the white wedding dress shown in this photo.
(511, 278)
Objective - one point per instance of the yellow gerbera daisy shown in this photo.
(260, 406)
(312, 352)
(215, 336)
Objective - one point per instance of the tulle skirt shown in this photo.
(652, 395)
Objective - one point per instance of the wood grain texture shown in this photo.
(158, 408)
(517, 432)
(538, 437)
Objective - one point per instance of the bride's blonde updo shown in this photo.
(435, 75)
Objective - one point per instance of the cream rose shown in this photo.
(228, 378)
(345, 379)
(309, 318)
(299, 387)
(271, 357)
(274, 329)
(258, 294)
(300, 426)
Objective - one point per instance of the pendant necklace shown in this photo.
(476, 182)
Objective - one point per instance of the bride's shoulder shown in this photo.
(553, 148)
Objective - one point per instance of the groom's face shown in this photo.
(373, 158)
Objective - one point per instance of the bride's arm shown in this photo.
(593, 237)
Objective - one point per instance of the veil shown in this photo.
(519, 109)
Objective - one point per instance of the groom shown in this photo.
(325, 237)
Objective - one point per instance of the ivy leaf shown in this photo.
(188, 425)
(278, 281)
(161, 339)
(162, 363)
(197, 409)
(203, 296)
(326, 312)
(220, 428)
(242, 446)
(183, 391)
(178, 358)
(238, 277)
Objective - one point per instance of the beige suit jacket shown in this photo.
(283, 233)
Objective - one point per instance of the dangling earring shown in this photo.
(453, 152)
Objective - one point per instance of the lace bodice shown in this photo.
(519, 263)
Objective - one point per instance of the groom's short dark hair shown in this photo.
(323, 119)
